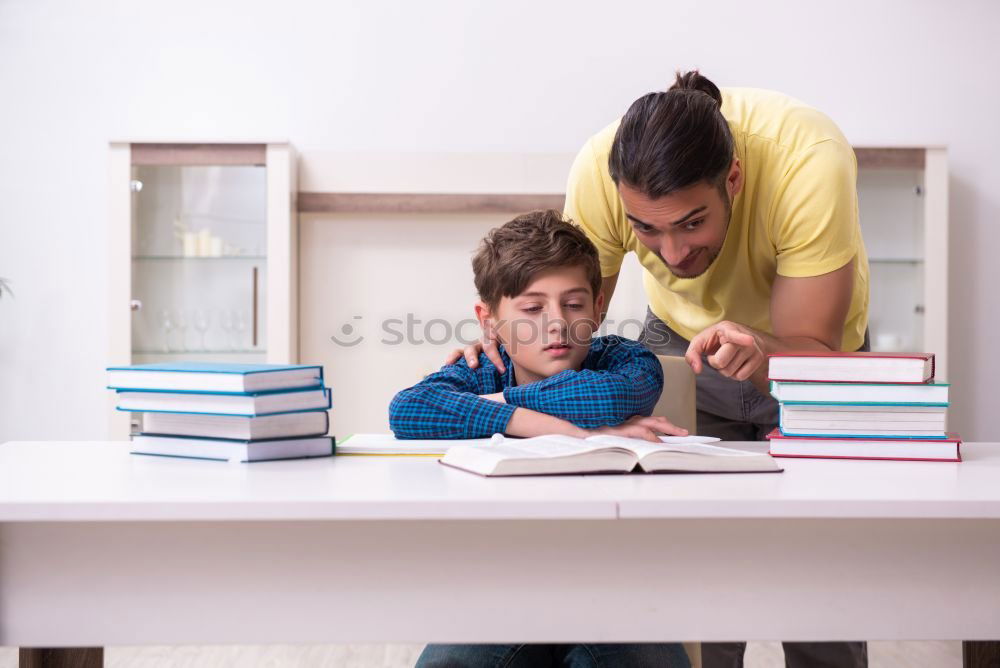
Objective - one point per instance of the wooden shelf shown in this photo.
(312, 202)
(890, 158)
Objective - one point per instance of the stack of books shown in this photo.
(860, 406)
(233, 412)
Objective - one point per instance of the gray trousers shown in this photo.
(737, 411)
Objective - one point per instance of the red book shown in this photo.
(906, 449)
(835, 367)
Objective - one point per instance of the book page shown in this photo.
(687, 445)
(553, 445)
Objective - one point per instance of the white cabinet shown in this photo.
(202, 254)
(903, 201)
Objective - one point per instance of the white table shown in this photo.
(99, 548)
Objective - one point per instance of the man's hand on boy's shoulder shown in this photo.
(471, 353)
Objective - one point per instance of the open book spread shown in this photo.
(550, 455)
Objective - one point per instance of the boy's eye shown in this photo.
(575, 307)
(531, 309)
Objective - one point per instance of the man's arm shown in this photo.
(806, 314)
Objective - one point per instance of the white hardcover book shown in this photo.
(249, 405)
(860, 394)
(213, 377)
(556, 454)
(233, 451)
(285, 425)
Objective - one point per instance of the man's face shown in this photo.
(686, 229)
(547, 328)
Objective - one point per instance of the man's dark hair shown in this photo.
(671, 140)
(512, 255)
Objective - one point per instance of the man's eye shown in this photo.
(693, 224)
(645, 229)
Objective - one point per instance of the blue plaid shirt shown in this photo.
(619, 378)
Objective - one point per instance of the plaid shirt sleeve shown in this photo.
(446, 404)
(620, 379)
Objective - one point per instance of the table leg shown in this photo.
(64, 657)
(981, 654)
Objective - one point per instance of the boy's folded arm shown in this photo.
(629, 385)
(447, 404)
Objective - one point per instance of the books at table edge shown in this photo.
(236, 444)
(952, 437)
(244, 441)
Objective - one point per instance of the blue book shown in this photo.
(214, 377)
(233, 451)
(253, 404)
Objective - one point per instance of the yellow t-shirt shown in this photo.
(797, 215)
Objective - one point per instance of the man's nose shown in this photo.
(672, 252)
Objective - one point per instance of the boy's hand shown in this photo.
(471, 353)
(641, 427)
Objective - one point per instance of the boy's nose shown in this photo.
(557, 321)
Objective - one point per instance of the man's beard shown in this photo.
(713, 253)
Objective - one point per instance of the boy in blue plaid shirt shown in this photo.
(539, 283)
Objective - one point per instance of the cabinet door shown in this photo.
(892, 223)
(199, 263)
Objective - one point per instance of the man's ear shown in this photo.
(734, 180)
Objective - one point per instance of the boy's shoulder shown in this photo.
(611, 341)
(611, 349)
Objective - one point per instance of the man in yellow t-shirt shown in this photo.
(741, 206)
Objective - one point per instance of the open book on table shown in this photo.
(552, 455)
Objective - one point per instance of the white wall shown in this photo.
(442, 77)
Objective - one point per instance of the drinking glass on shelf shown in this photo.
(166, 320)
(239, 326)
(202, 319)
(181, 321)
(226, 323)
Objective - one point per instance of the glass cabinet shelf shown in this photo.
(200, 258)
(248, 351)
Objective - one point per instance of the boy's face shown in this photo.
(547, 328)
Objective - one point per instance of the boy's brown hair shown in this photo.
(510, 256)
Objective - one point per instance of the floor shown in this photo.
(759, 655)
